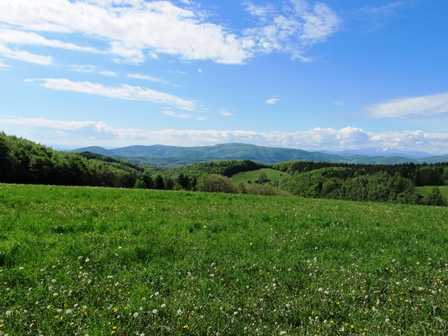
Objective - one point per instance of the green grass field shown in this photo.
(97, 261)
(427, 189)
(272, 174)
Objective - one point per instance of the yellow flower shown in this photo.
(185, 327)
(114, 328)
(2, 325)
(56, 317)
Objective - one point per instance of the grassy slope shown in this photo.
(427, 189)
(100, 261)
(272, 174)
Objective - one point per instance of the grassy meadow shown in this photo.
(427, 189)
(273, 176)
(98, 261)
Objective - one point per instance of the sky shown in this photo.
(312, 75)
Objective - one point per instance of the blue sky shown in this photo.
(314, 75)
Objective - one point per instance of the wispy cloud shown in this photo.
(292, 30)
(23, 38)
(422, 106)
(92, 133)
(83, 68)
(137, 29)
(145, 77)
(272, 101)
(378, 16)
(226, 113)
(389, 9)
(124, 91)
(107, 73)
(3, 65)
(25, 56)
(183, 116)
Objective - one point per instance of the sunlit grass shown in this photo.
(273, 176)
(102, 261)
(427, 189)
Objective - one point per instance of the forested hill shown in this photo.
(177, 156)
(23, 161)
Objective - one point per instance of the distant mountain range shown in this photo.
(387, 151)
(172, 156)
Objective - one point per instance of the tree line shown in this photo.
(353, 184)
(23, 161)
(420, 174)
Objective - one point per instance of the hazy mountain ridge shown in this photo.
(262, 154)
(387, 151)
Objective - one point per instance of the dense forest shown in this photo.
(23, 161)
(381, 183)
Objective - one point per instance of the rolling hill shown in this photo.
(174, 156)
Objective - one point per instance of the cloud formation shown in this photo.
(145, 77)
(137, 29)
(389, 9)
(183, 115)
(25, 56)
(107, 73)
(292, 30)
(124, 91)
(423, 106)
(86, 133)
(226, 113)
(272, 101)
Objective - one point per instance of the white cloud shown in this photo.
(145, 77)
(83, 68)
(3, 65)
(107, 73)
(272, 101)
(183, 116)
(25, 56)
(136, 29)
(81, 133)
(389, 9)
(293, 30)
(124, 91)
(226, 113)
(262, 11)
(422, 106)
(18, 37)
(127, 52)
